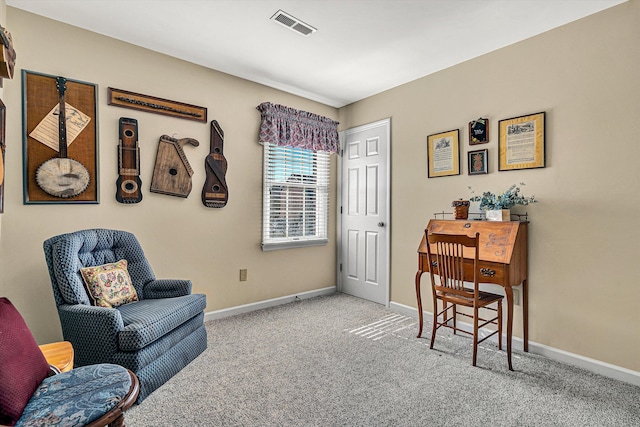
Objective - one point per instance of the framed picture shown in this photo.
(152, 104)
(60, 140)
(479, 131)
(478, 162)
(521, 142)
(3, 121)
(443, 154)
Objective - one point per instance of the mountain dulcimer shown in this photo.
(172, 172)
(215, 193)
(128, 185)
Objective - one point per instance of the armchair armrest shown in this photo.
(167, 288)
(93, 332)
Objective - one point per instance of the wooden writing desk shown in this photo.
(503, 261)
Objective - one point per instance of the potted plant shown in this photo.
(497, 207)
(460, 208)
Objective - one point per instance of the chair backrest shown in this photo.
(66, 254)
(447, 252)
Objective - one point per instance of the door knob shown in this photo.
(381, 224)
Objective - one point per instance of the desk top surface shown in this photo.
(498, 239)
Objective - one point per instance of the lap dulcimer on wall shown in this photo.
(215, 192)
(60, 144)
(128, 185)
(172, 172)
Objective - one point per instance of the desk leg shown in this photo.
(419, 298)
(525, 314)
(509, 293)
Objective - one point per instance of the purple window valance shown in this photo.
(284, 126)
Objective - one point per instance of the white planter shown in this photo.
(498, 215)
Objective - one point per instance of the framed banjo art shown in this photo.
(60, 145)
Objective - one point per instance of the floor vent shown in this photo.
(293, 23)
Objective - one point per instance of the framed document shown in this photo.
(521, 142)
(479, 131)
(478, 162)
(443, 154)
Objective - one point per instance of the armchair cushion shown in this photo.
(77, 397)
(22, 364)
(109, 285)
(150, 319)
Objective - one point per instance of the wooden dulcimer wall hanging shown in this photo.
(215, 193)
(7, 55)
(128, 185)
(172, 172)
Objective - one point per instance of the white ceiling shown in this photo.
(362, 47)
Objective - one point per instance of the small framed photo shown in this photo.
(479, 131)
(521, 142)
(478, 162)
(443, 153)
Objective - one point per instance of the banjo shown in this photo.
(61, 176)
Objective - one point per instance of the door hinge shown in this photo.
(340, 209)
(341, 268)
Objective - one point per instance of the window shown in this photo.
(296, 197)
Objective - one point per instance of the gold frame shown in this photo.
(452, 138)
(516, 152)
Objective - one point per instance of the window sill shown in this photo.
(292, 244)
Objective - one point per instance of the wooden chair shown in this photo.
(447, 265)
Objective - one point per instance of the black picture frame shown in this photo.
(479, 131)
(478, 162)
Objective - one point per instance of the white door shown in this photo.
(363, 253)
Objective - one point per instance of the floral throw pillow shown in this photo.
(109, 285)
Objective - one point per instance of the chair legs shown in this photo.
(476, 324)
(435, 322)
(475, 335)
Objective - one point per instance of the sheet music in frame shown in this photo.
(47, 131)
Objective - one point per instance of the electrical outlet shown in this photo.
(243, 275)
(516, 296)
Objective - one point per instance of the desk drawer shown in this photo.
(489, 272)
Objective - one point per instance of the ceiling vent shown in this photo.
(293, 23)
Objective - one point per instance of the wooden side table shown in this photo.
(59, 354)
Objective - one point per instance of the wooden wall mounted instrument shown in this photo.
(215, 193)
(7, 54)
(128, 185)
(3, 145)
(41, 139)
(172, 172)
(61, 176)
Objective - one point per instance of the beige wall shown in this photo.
(181, 238)
(584, 234)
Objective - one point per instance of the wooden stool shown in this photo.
(59, 354)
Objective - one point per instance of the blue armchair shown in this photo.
(154, 337)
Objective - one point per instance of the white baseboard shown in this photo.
(247, 308)
(592, 365)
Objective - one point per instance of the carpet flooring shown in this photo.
(342, 361)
